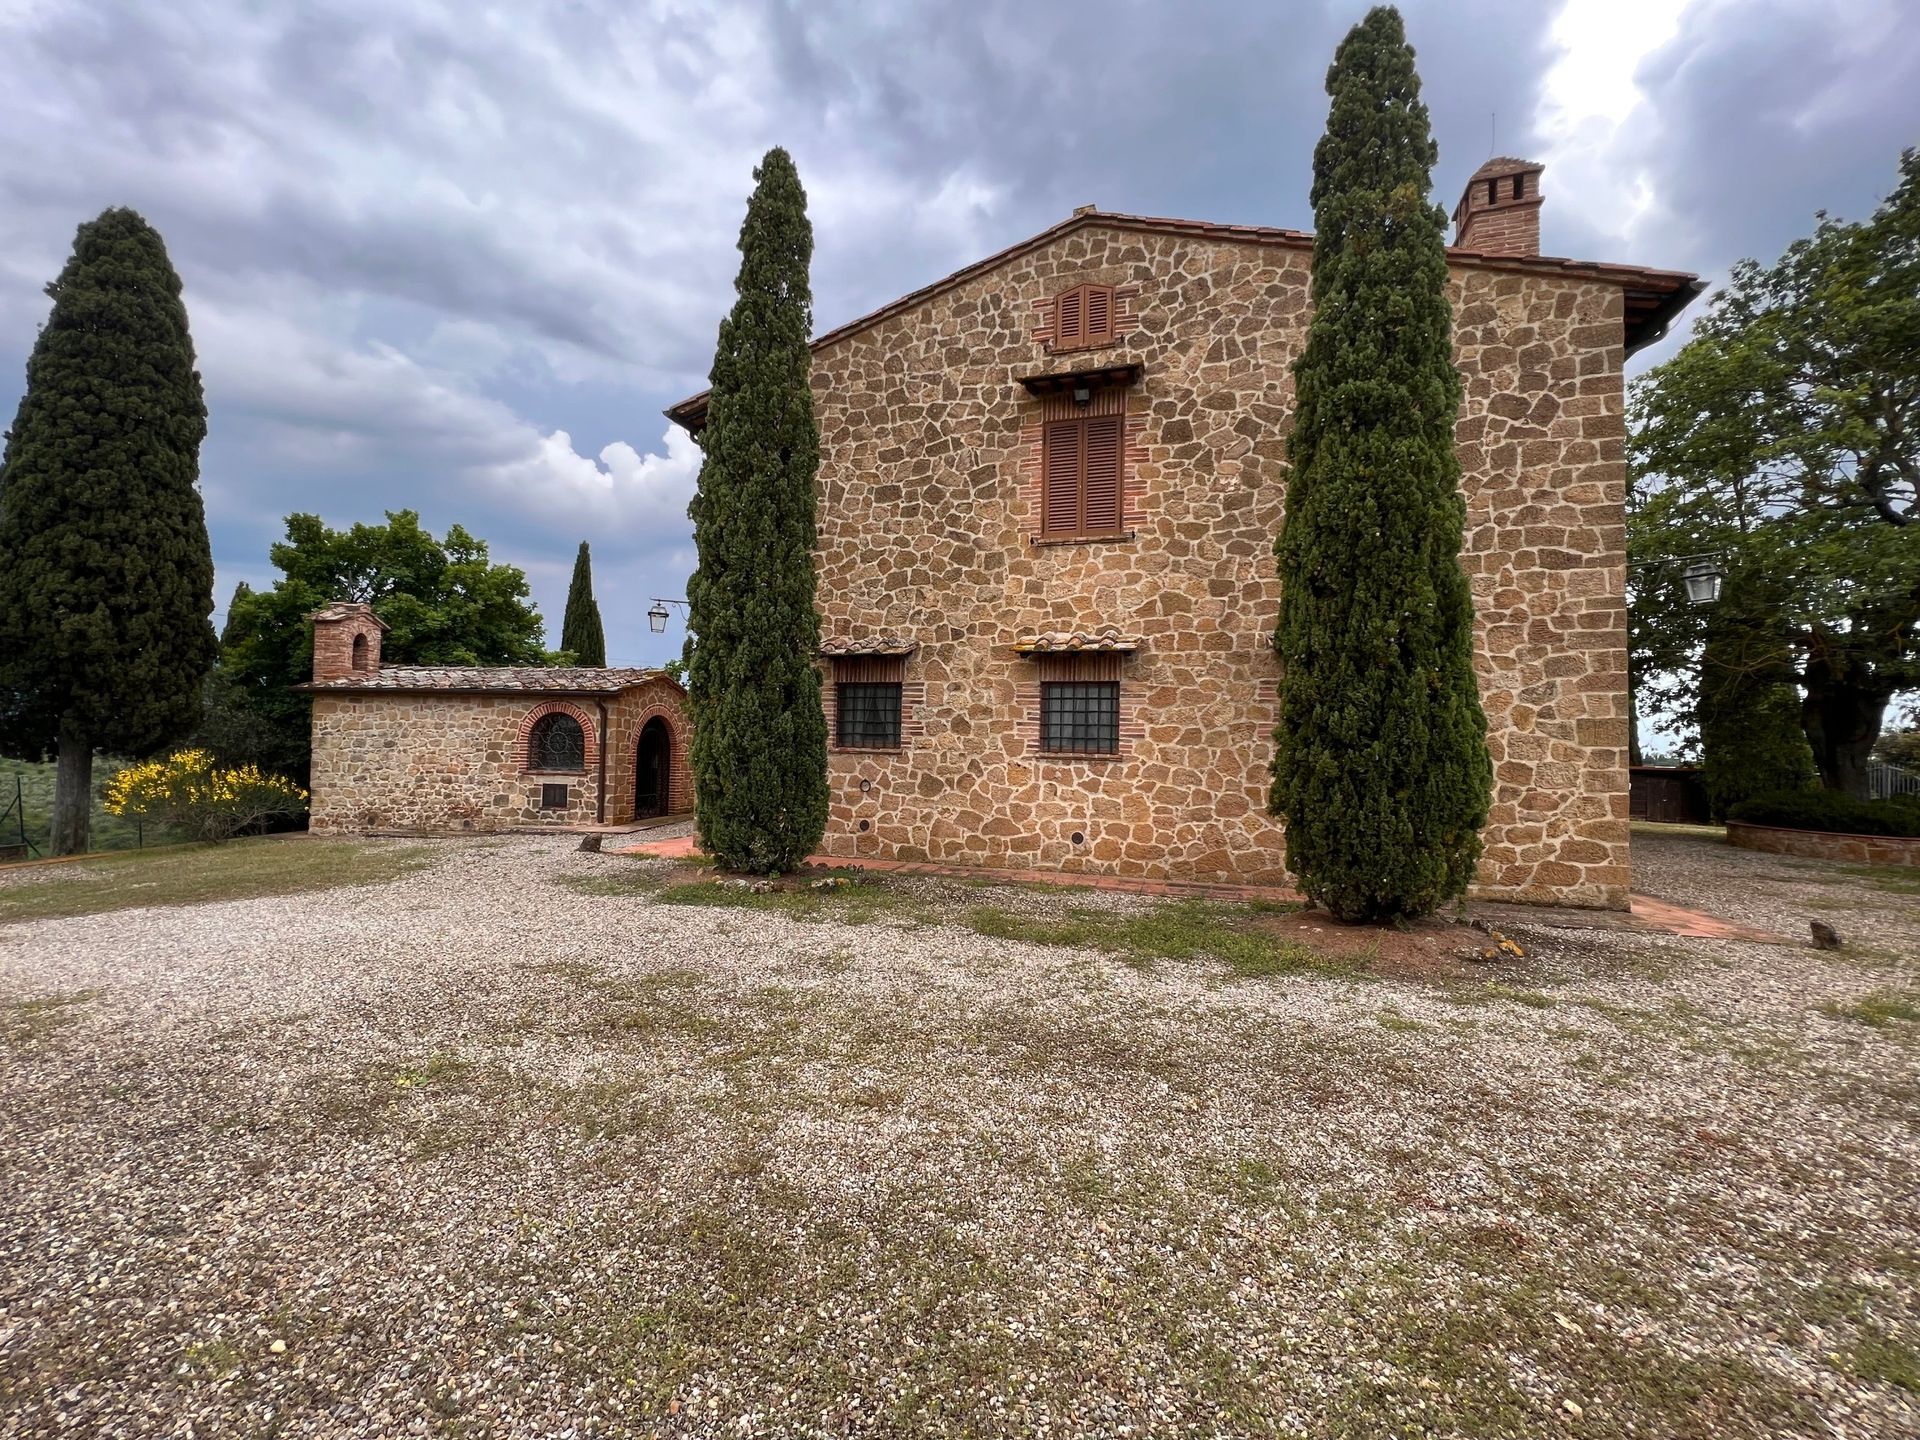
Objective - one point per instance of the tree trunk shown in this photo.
(1842, 723)
(72, 792)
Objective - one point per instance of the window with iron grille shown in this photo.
(869, 714)
(557, 743)
(553, 797)
(1080, 717)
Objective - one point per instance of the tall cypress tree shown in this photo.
(759, 748)
(106, 576)
(1381, 769)
(580, 629)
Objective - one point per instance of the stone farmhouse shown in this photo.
(448, 748)
(1049, 490)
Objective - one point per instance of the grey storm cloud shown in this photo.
(459, 258)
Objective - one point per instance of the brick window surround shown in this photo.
(522, 757)
(874, 670)
(1084, 669)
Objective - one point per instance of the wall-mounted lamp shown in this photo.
(657, 616)
(1703, 582)
(1082, 395)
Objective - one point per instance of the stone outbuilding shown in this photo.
(410, 747)
(1048, 494)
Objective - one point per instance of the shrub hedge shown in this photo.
(1830, 810)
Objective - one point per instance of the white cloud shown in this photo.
(1588, 96)
(622, 488)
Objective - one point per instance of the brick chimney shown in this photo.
(346, 640)
(1500, 212)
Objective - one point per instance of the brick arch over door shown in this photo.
(654, 699)
(557, 707)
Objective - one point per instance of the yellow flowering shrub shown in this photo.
(188, 791)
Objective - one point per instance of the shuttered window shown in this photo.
(1081, 471)
(1083, 317)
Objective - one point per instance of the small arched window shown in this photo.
(360, 652)
(557, 743)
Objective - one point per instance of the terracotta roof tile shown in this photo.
(509, 679)
(1107, 640)
(868, 645)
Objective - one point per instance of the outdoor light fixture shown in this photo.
(1082, 395)
(657, 618)
(1703, 582)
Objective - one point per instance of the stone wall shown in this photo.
(1892, 850)
(928, 522)
(436, 760)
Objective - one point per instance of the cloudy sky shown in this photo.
(457, 258)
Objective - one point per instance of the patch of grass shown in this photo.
(1880, 1009)
(1879, 1357)
(25, 1022)
(1179, 930)
(201, 874)
(1391, 1019)
(1489, 992)
(1894, 879)
(857, 902)
(628, 880)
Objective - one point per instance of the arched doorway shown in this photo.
(652, 769)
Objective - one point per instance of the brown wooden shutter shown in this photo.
(1060, 506)
(1070, 318)
(1099, 314)
(1101, 490)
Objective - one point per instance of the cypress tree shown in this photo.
(231, 633)
(1381, 769)
(759, 747)
(106, 576)
(580, 629)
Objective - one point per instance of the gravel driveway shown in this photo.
(508, 1146)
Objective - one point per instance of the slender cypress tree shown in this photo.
(759, 748)
(230, 633)
(106, 576)
(1381, 769)
(580, 628)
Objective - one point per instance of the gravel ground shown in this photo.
(489, 1150)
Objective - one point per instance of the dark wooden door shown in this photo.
(651, 770)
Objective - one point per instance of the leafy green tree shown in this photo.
(1784, 437)
(581, 634)
(1381, 770)
(106, 576)
(1748, 711)
(759, 748)
(445, 603)
(1899, 747)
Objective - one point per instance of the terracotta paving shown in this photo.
(1650, 914)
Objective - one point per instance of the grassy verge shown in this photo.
(196, 874)
(1880, 1009)
(1177, 930)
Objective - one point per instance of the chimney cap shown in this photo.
(1504, 165)
(348, 610)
